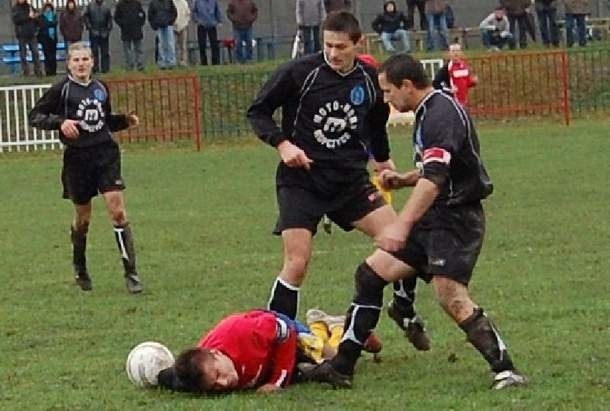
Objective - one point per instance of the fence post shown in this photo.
(197, 110)
(565, 74)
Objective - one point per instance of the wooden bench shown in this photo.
(10, 55)
(418, 38)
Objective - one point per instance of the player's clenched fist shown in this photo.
(70, 128)
(293, 156)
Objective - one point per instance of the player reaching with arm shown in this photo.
(438, 234)
(333, 116)
(79, 108)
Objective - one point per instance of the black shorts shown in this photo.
(447, 242)
(88, 171)
(301, 208)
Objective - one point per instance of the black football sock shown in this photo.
(284, 298)
(79, 247)
(404, 296)
(485, 338)
(361, 319)
(124, 241)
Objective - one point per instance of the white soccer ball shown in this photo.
(145, 361)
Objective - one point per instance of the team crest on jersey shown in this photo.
(333, 124)
(91, 115)
(99, 94)
(357, 95)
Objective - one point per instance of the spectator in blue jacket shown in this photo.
(47, 37)
(207, 15)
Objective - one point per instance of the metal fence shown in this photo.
(555, 84)
(523, 84)
(168, 107)
(15, 133)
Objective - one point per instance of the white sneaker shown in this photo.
(315, 315)
(508, 378)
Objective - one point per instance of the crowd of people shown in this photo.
(510, 24)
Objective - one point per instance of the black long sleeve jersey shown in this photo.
(88, 103)
(337, 119)
(447, 152)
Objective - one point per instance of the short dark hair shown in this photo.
(344, 22)
(188, 369)
(402, 67)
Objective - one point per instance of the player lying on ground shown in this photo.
(255, 349)
(79, 108)
(439, 232)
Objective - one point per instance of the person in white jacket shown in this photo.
(181, 28)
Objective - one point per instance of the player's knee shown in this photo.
(295, 268)
(81, 223)
(118, 216)
(453, 298)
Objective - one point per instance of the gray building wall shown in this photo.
(277, 19)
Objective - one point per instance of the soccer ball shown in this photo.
(145, 361)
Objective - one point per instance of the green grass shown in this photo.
(202, 223)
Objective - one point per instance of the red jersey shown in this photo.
(460, 79)
(262, 347)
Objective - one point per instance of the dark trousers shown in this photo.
(421, 8)
(547, 19)
(311, 39)
(581, 30)
(49, 49)
(32, 43)
(513, 20)
(203, 34)
(101, 55)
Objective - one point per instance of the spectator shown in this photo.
(435, 14)
(547, 19)
(206, 14)
(455, 78)
(161, 16)
(337, 5)
(181, 30)
(530, 20)
(576, 10)
(71, 24)
(98, 20)
(421, 8)
(516, 10)
(243, 14)
(391, 25)
(130, 17)
(25, 20)
(310, 15)
(47, 36)
(495, 30)
(450, 17)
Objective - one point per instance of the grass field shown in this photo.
(202, 223)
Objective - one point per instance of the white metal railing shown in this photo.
(432, 66)
(15, 131)
(58, 4)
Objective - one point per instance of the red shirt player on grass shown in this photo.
(256, 349)
(456, 77)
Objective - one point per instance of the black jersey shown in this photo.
(88, 103)
(337, 119)
(447, 151)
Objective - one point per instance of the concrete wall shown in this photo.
(276, 18)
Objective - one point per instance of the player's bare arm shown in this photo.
(293, 156)
(394, 236)
(393, 180)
